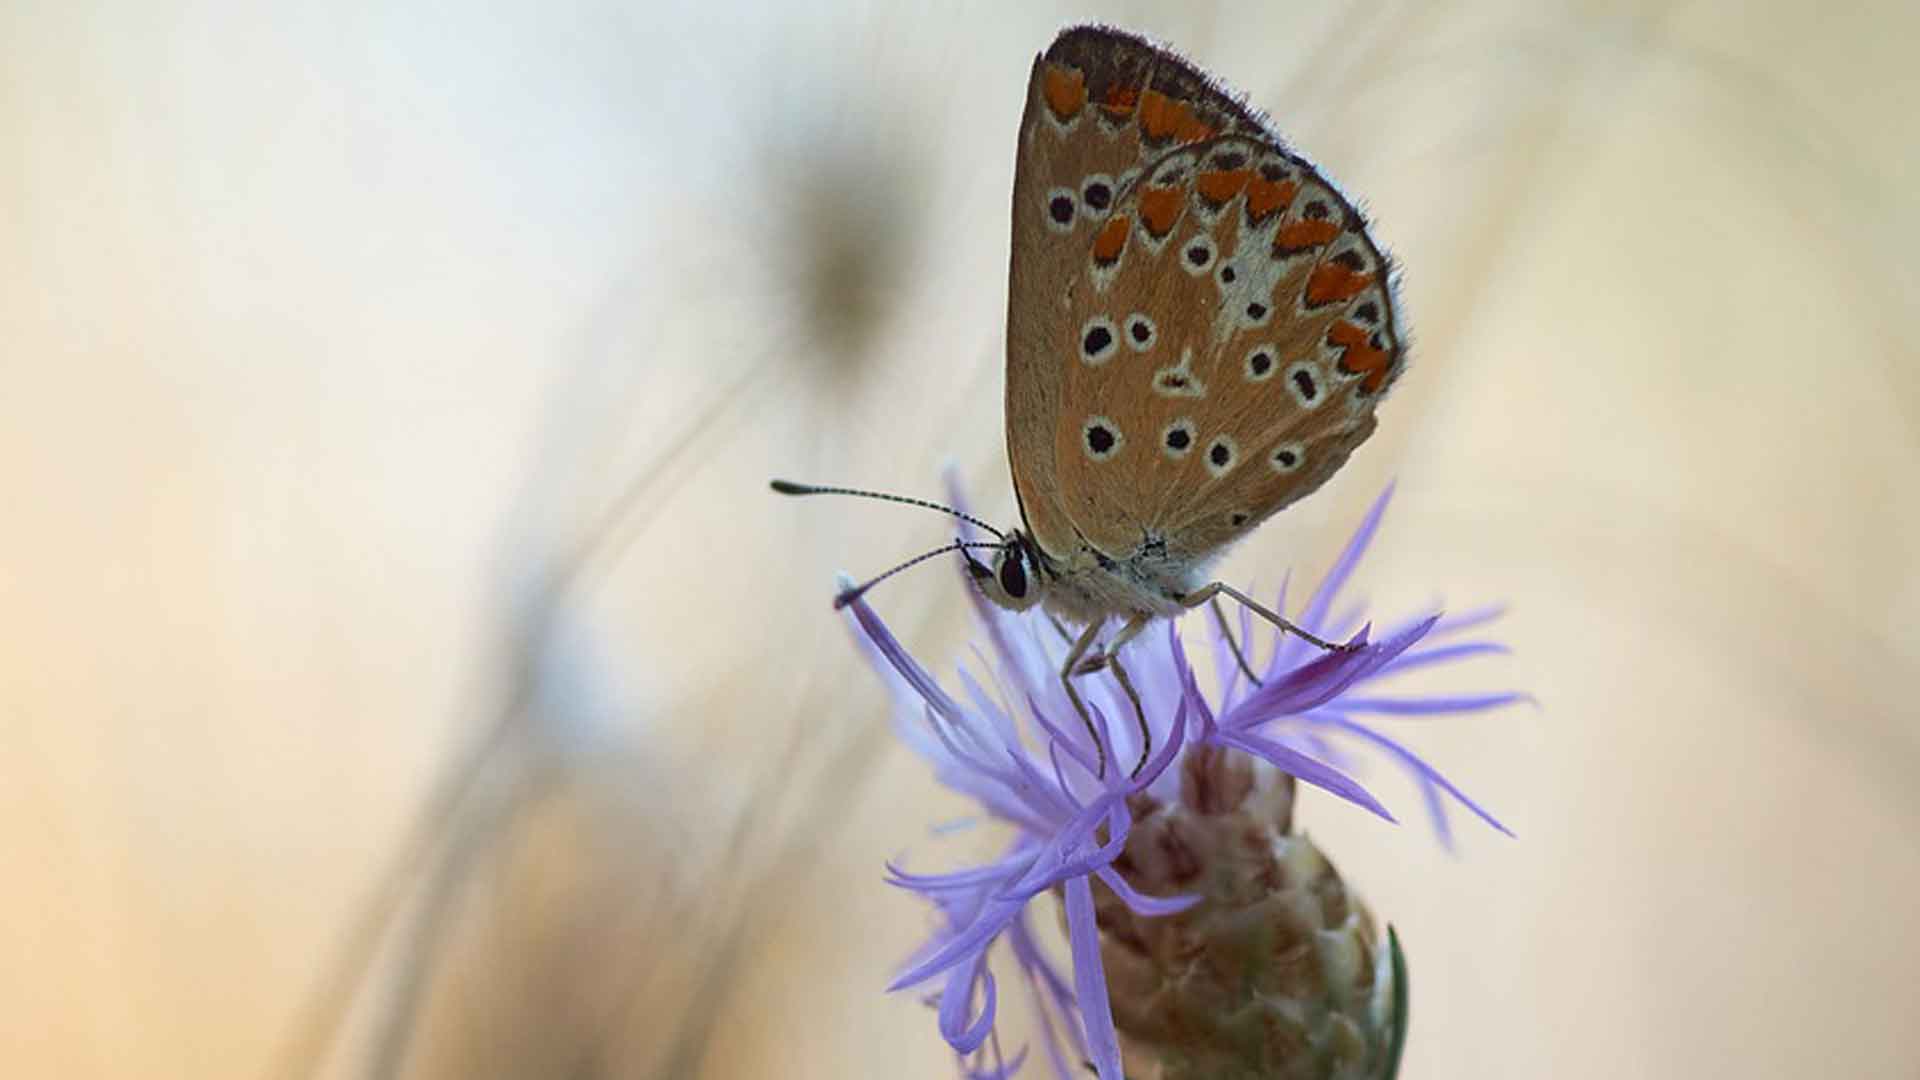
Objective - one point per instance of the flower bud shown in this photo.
(1279, 972)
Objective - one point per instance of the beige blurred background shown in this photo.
(404, 671)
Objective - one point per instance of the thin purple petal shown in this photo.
(974, 938)
(1052, 997)
(1190, 696)
(1090, 978)
(1431, 706)
(1055, 855)
(996, 717)
(1467, 620)
(1060, 738)
(1414, 762)
(1049, 800)
(902, 662)
(1343, 566)
(1442, 654)
(1055, 863)
(956, 1002)
(1437, 811)
(958, 880)
(1303, 768)
(1320, 681)
(1142, 904)
(1000, 1070)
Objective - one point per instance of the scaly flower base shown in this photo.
(1277, 974)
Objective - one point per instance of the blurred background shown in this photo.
(405, 672)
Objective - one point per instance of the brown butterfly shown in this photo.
(1198, 331)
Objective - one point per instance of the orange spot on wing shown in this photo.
(1120, 100)
(1360, 357)
(1218, 187)
(1111, 240)
(1065, 89)
(1332, 281)
(1265, 196)
(1302, 235)
(1159, 209)
(1160, 115)
(1193, 129)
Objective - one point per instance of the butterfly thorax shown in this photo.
(1088, 585)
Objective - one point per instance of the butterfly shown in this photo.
(1199, 330)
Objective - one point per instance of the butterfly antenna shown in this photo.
(788, 487)
(848, 596)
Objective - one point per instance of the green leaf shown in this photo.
(1397, 1034)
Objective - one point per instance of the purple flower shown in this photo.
(1015, 745)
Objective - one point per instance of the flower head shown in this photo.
(1016, 746)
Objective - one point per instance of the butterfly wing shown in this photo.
(1073, 152)
(1206, 347)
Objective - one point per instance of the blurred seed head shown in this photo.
(843, 242)
(839, 167)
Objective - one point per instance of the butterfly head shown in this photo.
(1014, 580)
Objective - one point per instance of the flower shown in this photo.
(1229, 762)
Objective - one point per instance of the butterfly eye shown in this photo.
(1013, 576)
(1141, 333)
(1098, 340)
(1061, 206)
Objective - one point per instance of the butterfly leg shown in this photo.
(1227, 632)
(1076, 663)
(1068, 670)
(1128, 633)
(1202, 595)
(1092, 659)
